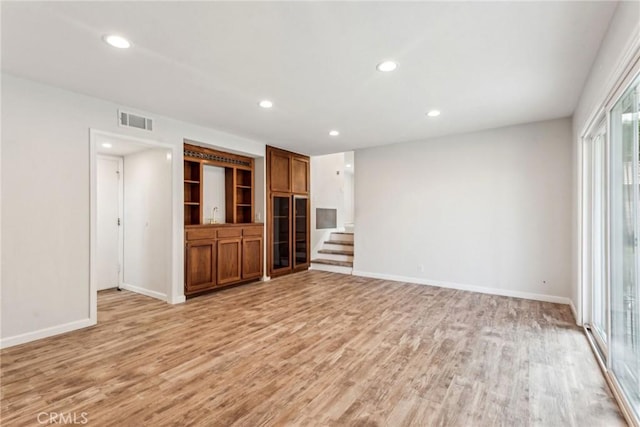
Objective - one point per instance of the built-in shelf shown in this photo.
(239, 194)
(192, 191)
(239, 191)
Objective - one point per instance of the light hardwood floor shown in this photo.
(315, 349)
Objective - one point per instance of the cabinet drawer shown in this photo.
(252, 231)
(229, 232)
(204, 233)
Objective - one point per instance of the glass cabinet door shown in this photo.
(281, 237)
(301, 230)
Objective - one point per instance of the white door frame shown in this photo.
(120, 160)
(175, 291)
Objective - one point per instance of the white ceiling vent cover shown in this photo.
(134, 121)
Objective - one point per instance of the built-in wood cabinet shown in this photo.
(219, 255)
(252, 261)
(239, 188)
(279, 167)
(288, 211)
(200, 265)
(279, 225)
(300, 238)
(300, 172)
(229, 260)
(288, 172)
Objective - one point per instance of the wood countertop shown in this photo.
(246, 224)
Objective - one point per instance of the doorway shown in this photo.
(133, 217)
(109, 237)
(333, 212)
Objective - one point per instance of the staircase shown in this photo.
(336, 254)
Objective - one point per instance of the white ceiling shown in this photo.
(483, 65)
(119, 146)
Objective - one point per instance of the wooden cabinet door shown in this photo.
(200, 266)
(279, 171)
(300, 232)
(279, 251)
(251, 257)
(229, 258)
(300, 175)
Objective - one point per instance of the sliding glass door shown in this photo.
(598, 219)
(625, 254)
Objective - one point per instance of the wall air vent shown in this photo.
(134, 121)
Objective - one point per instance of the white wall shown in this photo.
(349, 197)
(327, 191)
(45, 202)
(613, 56)
(147, 222)
(488, 210)
(214, 193)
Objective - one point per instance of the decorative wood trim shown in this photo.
(216, 158)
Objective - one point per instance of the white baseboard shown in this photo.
(178, 300)
(143, 291)
(45, 333)
(331, 268)
(464, 287)
(575, 313)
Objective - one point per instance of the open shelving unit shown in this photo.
(192, 192)
(239, 195)
(239, 184)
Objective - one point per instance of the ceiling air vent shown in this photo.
(135, 121)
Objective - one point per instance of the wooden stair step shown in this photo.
(338, 242)
(335, 252)
(332, 262)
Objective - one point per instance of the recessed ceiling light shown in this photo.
(386, 66)
(107, 145)
(433, 113)
(265, 103)
(117, 41)
(348, 165)
(334, 133)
